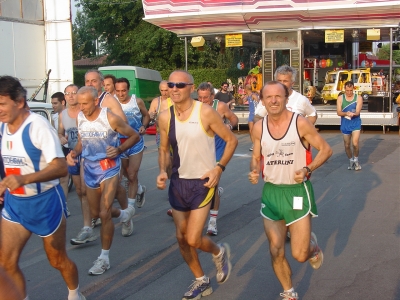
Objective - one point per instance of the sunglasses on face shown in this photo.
(179, 85)
(70, 93)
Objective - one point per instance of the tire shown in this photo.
(70, 183)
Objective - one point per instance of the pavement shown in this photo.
(358, 229)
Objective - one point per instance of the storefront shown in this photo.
(315, 37)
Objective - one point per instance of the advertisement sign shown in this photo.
(233, 40)
(334, 36)
(373, 34)
(285, 40)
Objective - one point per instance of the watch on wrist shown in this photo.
(221, 166)
(308, 170)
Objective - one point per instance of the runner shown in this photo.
(98, 144)
(34, 201)
(189, 127)
(134, 110)
(206, 95)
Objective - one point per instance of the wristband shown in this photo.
(221, 166)
(230, 126)
(308, 170)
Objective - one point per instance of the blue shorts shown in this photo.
(95, 172)
(348, 126)
(137, 148)
(189, 194)
(251, 117)
(75, 170)
(40, 214)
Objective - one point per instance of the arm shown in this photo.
(339, 111)
(359, 106)
(310, 111)
(114, 106)
(145, 114)
(61, 130)
(225, 112)
(164, 151)
(73, 154)
(256, 154)
(153, 108)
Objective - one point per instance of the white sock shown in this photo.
(73, 294)
(123, 216)
(291, 290)
(104, 255)
(139, 189)
(202, 278)
(131, 201)
(213, 215)
(355, 158)
(220, 252)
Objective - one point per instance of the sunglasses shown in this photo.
(179, 85)
(70, 93)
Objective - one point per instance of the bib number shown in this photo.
(15, 171)
(107, 164)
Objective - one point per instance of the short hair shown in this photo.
(88, 89)
(123, 79)
(71, 85)
(286, 70)
(114, 80)
(274, 82)
(187, 73)
(59, 96)
(162, 82)
(349, 84)
(11, 87)
(95, 71)
(224, 83)
(206, 86)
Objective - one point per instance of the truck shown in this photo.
(36, 37)
(144, 83)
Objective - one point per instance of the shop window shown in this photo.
(22, 9)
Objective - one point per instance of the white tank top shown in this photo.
(282, 157)
(193, 148)
(132, 113)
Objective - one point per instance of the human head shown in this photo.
(224, 86)
(176, 94)
(205, 93)
(109, 83)
(163, 87)
(274, 95)
(88, 100)
(348, 88)
(58, 102)
(94, 78)
(70, 94)
(287, 75)
(248, 88)
(12, 99)
(122, 87)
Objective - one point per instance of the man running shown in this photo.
(189, 127)
(250, 98)
(68, 132)
(282, 139)
(98, 144)
(34, 201)
(109, 84)
(138, 119)
(205, 93)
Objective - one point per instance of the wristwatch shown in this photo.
(221, 166)
(308, 170)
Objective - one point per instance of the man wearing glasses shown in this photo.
(224, 95)
(189, 128)
(68, 133)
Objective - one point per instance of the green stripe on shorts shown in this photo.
(277, 201)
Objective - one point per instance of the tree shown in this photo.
(384, 53)
(83, 37)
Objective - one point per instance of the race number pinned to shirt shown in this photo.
(298, 203)
(16, 172)
(107, 164)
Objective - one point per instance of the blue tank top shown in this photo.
(354, 122)
(133, 114)
(252, 104)
(96, 136)
(219, 143)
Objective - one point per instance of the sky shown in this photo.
(73, 10)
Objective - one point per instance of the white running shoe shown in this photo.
(100, 266)
(212, 228)
(357, 166)
(351, 165)
(127, 227)
(84, 236)
(140, 198)
(220, 191)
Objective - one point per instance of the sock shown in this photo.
(27, 298)
(291, 290)
(139, 189)
(131, 201)
(123, 216)
(74, 294)
(213, 215)
(104, 255)
(202, 278)
(355, 158)
(220, 252)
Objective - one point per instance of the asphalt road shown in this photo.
(358, 229)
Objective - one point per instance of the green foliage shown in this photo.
(384, 53)
(79, 77)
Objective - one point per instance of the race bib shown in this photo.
(15, 171)
(298, 203)
(107, 164)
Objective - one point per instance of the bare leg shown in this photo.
(8, 289)
(356, 139)
(83, 198)
(64, 185)
(133, 170)
(347, 147)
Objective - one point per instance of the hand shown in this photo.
(11, 183)
(153, 115)
(162, 180)
(71, 158)
(213, 177)
(63, 140)
(299, 175)
(253, 176)
(142, 130)
(112, 152)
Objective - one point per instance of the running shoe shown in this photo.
(198, 289)
(212, 228)
(289, 296)
(220, 191)
(127, 227)
(86, 235)
(251, 148)
(140, 198)
(81, 297)
(100, 266)
(318, 258)
(357, 166)
(169, 212)
(351, 165)
(223, 263)
(67, 211)
(96, 222)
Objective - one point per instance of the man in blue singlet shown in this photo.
(189, 128)
(34, 201)
(348, 107)
(205, 93)
(98, 143)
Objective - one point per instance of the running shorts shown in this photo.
(277, 201)
(189, 194)
(95, 172)
(40, 214)
(135, 149)
(75, 170)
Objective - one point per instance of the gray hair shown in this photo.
(286, 70)
(187, 73)
(88, 89)
(205, 86)
(95, 71)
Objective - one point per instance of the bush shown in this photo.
(79, 77)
